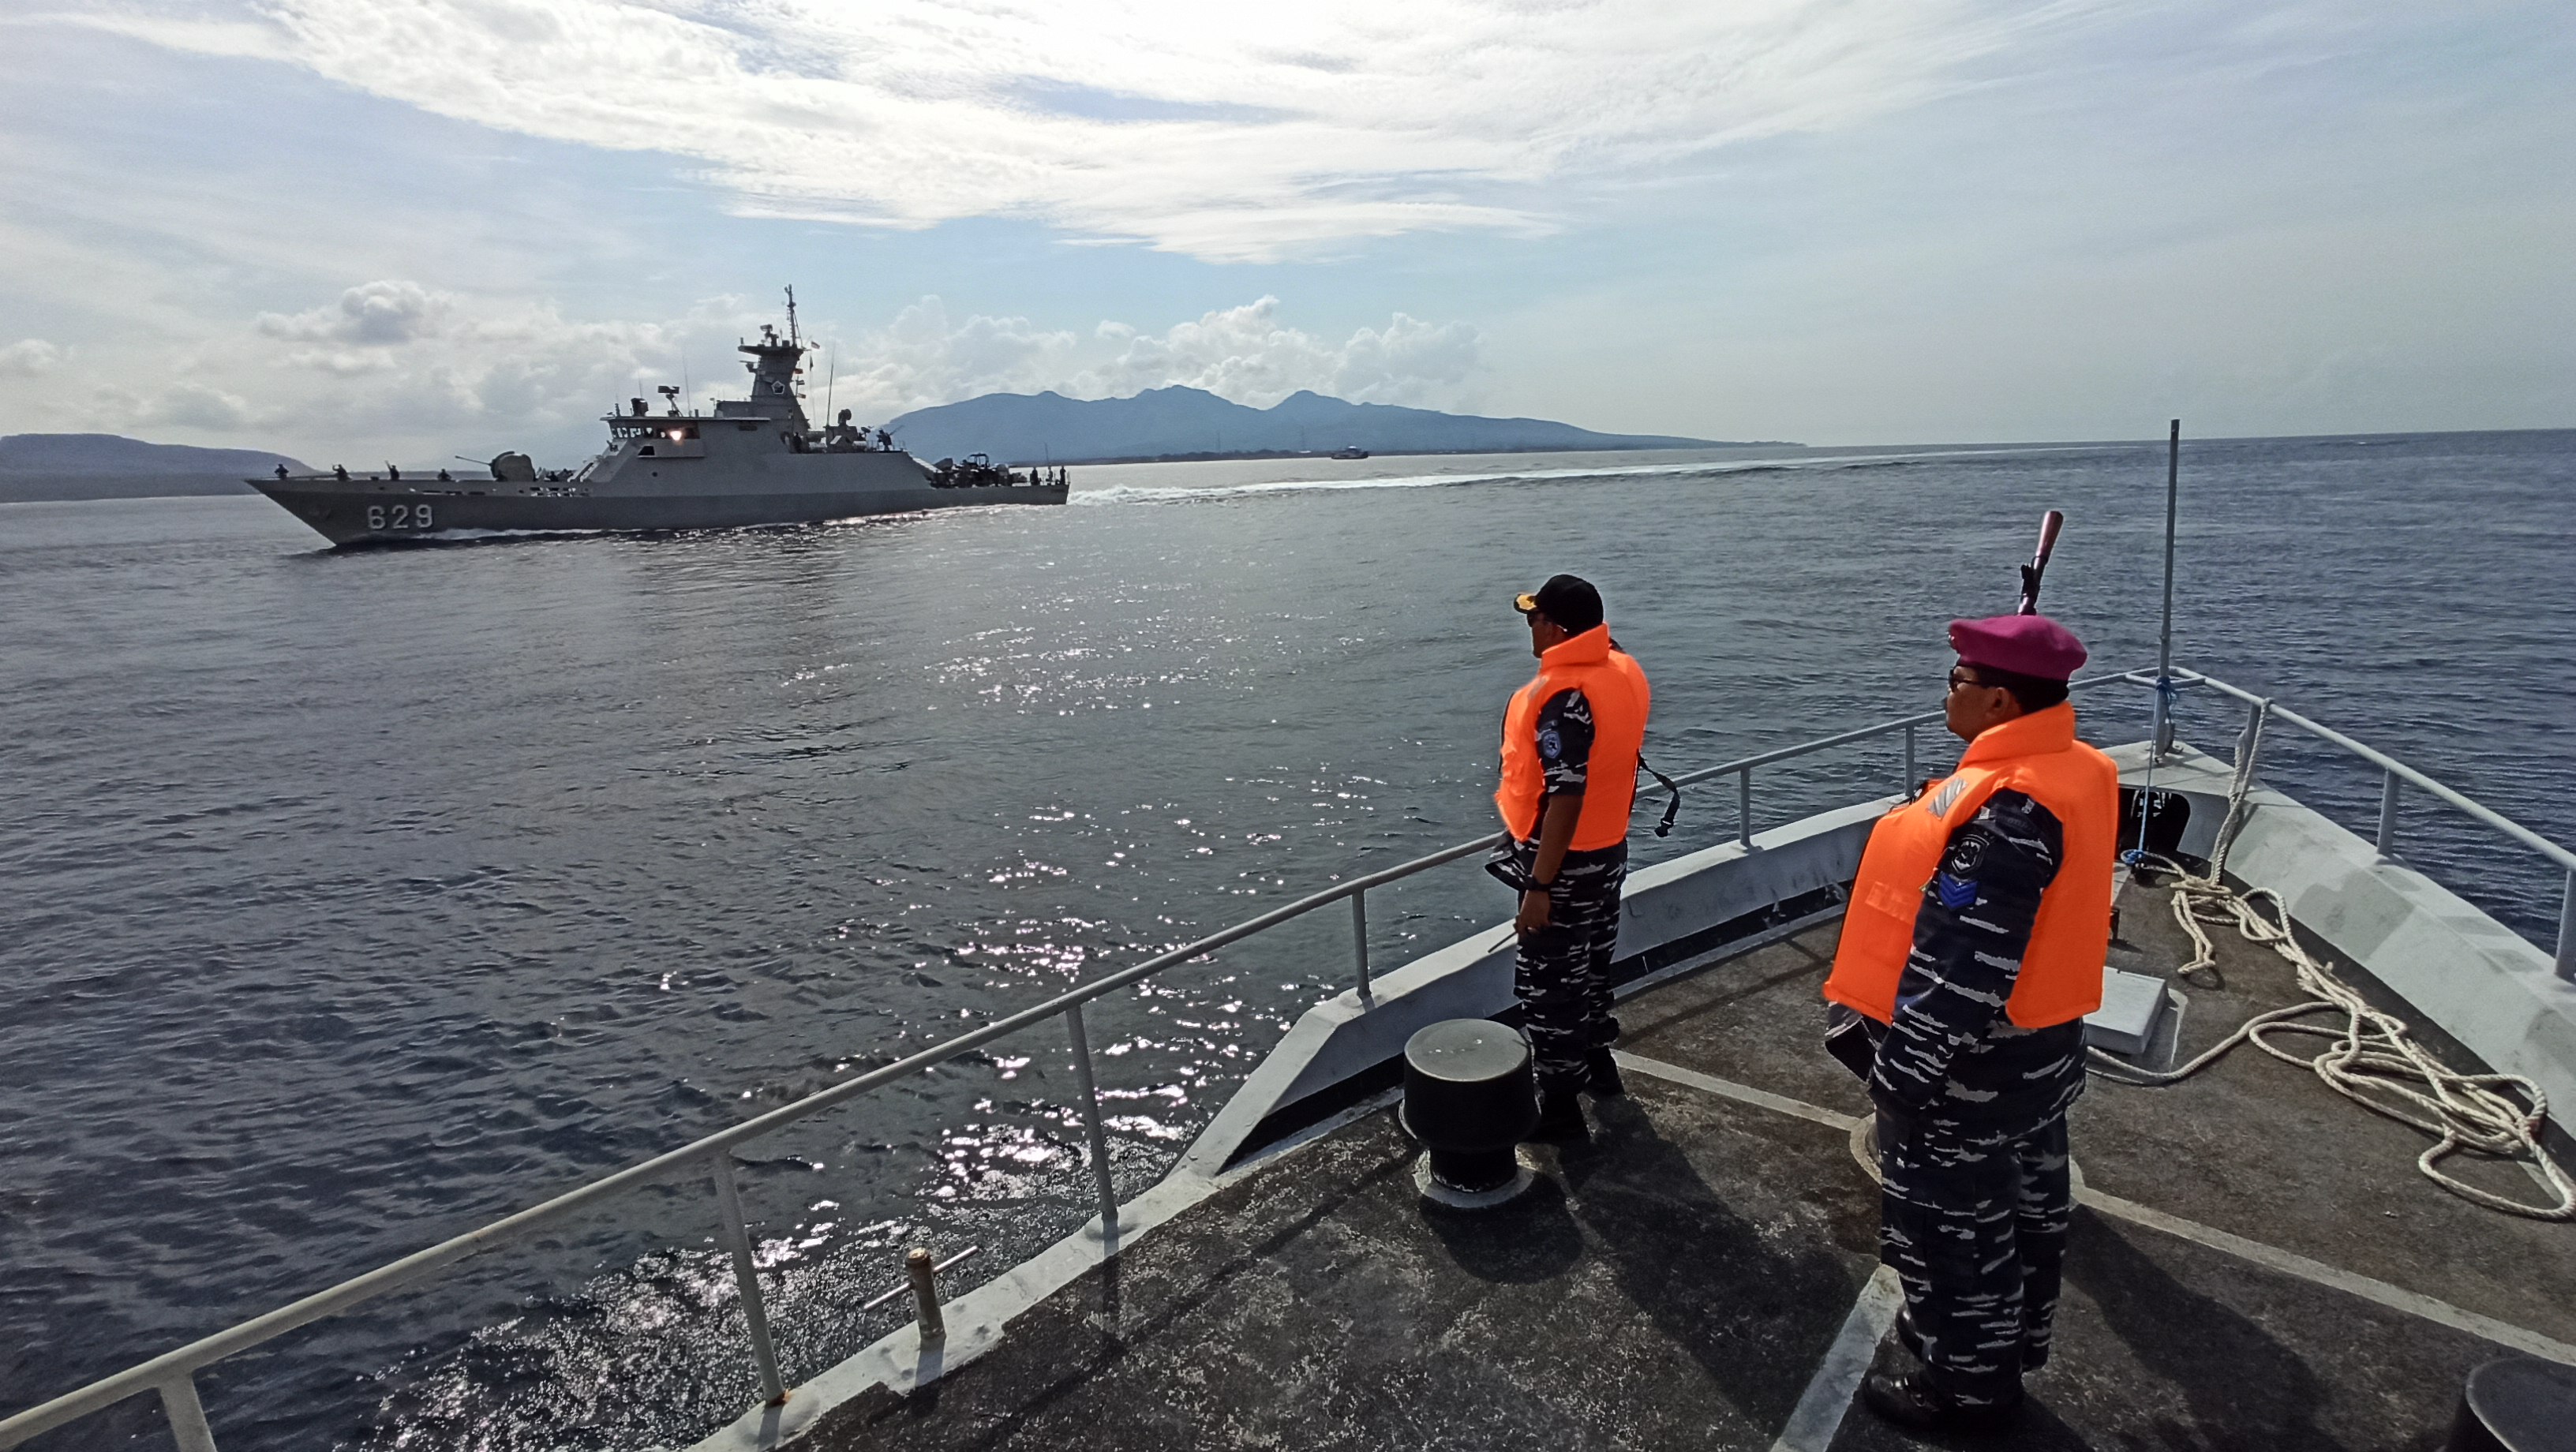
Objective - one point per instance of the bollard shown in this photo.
(925, 1293)
(2514, 1404)
(1469, 1099)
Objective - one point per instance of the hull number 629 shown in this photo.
(399, 516)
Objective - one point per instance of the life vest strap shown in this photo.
(1672, 801)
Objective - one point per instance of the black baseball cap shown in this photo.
(1569, 600)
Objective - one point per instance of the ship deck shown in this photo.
(2255, 1263)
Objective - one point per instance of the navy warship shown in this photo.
(748, 461)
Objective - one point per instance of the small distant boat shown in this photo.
(1349, 453)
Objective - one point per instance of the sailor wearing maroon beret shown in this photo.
(1970, 954)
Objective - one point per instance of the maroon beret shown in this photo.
(2026, 645)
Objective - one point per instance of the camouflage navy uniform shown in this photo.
(1562, 975)
(1976, 1196)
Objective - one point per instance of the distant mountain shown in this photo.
(1177, 422)
(108, 466)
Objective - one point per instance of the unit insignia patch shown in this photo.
(1966, 853)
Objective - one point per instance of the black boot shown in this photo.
(1560, 1114)
(1601, 1076)
(2032, 1357)
(1910, 1400)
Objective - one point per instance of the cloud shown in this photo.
(1247, 354)
(923, 358)
(29, 358)
(197, 406)
(1226, 132)
(383, 313)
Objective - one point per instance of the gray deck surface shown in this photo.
(1675, 1281)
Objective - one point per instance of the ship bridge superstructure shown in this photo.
(777, 368)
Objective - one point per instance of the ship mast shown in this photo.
(791, 316)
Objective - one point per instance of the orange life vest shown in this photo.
(1614, 685)
(2061, 972)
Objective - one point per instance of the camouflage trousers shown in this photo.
(1562, 975)
(1974, 1225)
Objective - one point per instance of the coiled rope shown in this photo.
(2372, 1059)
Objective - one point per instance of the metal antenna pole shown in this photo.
(2173, 490)
(2156, 738)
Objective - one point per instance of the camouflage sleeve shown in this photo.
(1969, 937)
(1565, 741)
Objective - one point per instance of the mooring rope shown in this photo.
(2372, 1059)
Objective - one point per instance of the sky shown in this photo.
(370, 229)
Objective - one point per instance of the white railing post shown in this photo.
(737, 1234)
(1091, 1121)
(923, 1277)
(1744, 807)
(2388, 814)
(187, 1415)
(1908, 784)
(1359, 944)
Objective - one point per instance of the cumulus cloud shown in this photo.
(197, 406)
(383, 313)
(396, 364)
(1227, 132)
(29, 358)
(923, 358)
(1249, 355)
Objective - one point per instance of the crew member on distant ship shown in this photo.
(1570, 743)
(1970, 953)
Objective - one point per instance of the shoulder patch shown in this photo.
(1966, 854)
(1954, 892)
(1550, 745)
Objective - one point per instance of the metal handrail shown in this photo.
(2391, 765)
(172, 1373)
(696, 1155)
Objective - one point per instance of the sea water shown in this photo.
(357, 898)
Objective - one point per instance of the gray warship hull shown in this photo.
(379, 511)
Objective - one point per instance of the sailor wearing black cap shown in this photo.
(1570, 744)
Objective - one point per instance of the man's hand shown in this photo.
(1533, 914)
